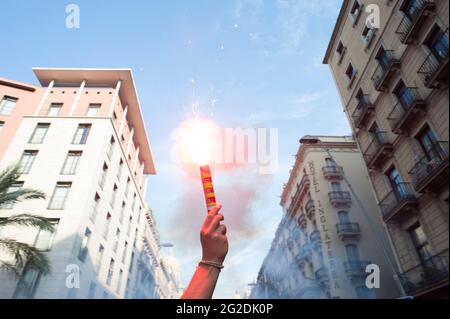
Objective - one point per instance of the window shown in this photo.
(27, 285)
(336, 187)
(39, 133)
(352, 252)
(340, 51)
(119, 283)
(122, 212)
(110, 272)
(44, 238)
(81, 134)
(103, 177)
(367, 35)
(125, 251)
(411, 8)
(54, 109)
(119, 171)
(383, 58)
(351, 75)
(116, 240)
(396, 182)
(94, 211)
(26, 161)
(99, 257)
(82, 253)
(110, 151)
(404, 94)
(2, 124)
(429, 144)
(130, 270)
(14, 188)
(130, 221)
(71, 163)
(93, 109)
(106, 225)
(438, 43)
(91, 291)
(127, 187)
(420, 242)
(344, 217)
(58, 199)
(329, 162)
(113, 196)
(355, 11)
(7, 105)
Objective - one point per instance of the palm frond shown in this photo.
(9, 176)
(20, 195)
(9, 267)
(25, 254)
(27, 220)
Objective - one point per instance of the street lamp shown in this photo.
(308, 139)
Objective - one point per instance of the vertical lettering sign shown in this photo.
(327, 244)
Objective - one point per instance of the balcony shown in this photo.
(363, 112)
(430, 172)
(302, 220)
(384, 71)
(356, 269)
(333, 172)
(302, 188)
(315, 239)
(310, 209)
(322, 276)
(340, 199)
(429, 275)
(407, 111)
(399, 202)
(434, 70)
(305, 255)
(379, 150)
(410, 26)
(348, 231)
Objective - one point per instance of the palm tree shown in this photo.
(23, 254)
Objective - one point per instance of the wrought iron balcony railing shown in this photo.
(340, 199)
(410, 25)
(430, 172)
(302, 220)
(333, 172)
(363, 111)
(400, 200)
(406, 111)
(429, 274)
(385, 70)
(378, 149)
(356, 268)
(434, 69)
(348, 231)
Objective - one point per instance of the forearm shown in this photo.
(202, 283)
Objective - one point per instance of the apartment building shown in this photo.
(325, 243)
(80, 138)
(393, 83)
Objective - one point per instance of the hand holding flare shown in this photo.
(213, 234)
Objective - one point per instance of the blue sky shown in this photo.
(244, 62)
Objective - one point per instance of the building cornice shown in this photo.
(339, 21)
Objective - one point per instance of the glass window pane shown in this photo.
(7, 105)
(59, 196)
(39, 133)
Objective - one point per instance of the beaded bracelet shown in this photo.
(212, 264)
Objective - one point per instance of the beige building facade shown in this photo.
(393, 81)
(325, 243)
